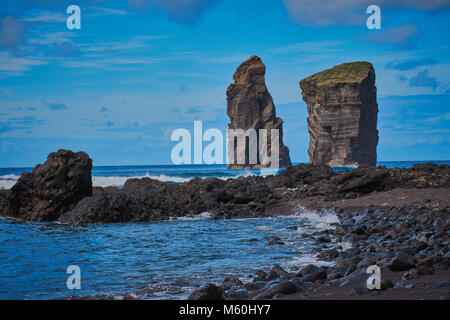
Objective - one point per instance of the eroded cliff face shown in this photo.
(342, 122)
(250, 106)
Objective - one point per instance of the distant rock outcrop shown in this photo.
(343, 109)
(52, 188)
(250, 106)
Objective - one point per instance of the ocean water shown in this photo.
(164, 260)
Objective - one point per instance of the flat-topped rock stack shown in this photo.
(342, 123)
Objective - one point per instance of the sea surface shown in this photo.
(164, 260)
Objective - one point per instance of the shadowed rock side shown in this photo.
(4, 203)
(52, 188)
(343, 109)
(250, 106)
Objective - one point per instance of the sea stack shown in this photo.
(342, 122)
(250, 106)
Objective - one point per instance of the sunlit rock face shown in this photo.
(342, 122)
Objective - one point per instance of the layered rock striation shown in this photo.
(342, 122)
(250, 106)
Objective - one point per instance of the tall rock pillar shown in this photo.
(250, 106)
(342, 122)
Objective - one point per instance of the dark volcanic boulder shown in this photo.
(208, 292)
(285, 287)
(360, 181)
(299, 175)
(52, 188)
(401, 262)
(101, 208)
(4, 202)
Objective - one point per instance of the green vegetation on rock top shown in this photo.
(346, 72)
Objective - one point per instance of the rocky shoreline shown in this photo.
(410, 244)
(61, 190)
(395, 218)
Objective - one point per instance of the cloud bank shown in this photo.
(349, 12)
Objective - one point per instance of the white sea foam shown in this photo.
(324, 219)
(7, 181)
(115, 181)
(304, 260)
(202, 216)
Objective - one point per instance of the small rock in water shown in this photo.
(275, 241)
(276, 272)
(310, 268)
(324, 238)
(209, 292)
(260, 275)
(229, 283)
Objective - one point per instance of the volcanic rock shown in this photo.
(4, 202)
(53, 188)
(401, 262)
(250, 106)
(208, 292)
(285, 287)
(342, 122)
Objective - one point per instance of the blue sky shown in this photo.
(139, 69)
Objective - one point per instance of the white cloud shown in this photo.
(46, 17)
(12, 63)
(349, 12)
(136, 42)
(52, 38)
(398, 35)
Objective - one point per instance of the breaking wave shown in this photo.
(8, 180)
